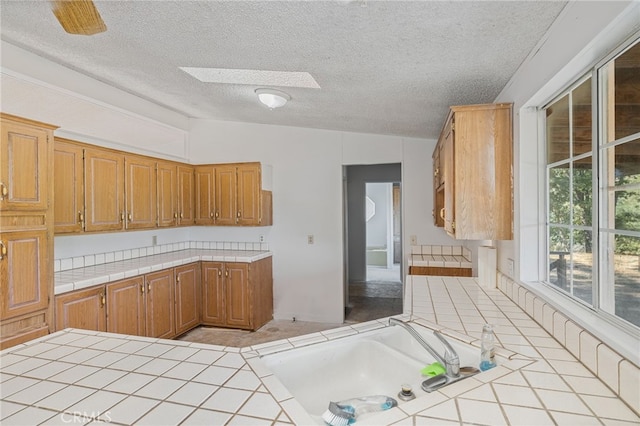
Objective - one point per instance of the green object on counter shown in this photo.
(434, 369)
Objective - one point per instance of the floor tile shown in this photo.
(16, 384)
(230, 360)
(81, 355)
(105, 359)
(611, 408)
(517, 395)
(204, 356)
(58, 352)
(154, 350)
(9, 408)
(48, 370)
(179, 353)
(481, 412)
(482, 393)
(35, 393)
(445, 410)
(73, 374)
(35, 350)
(545, 381)
(131, 346)
(24, 366)
(156, 366)
(130, 363)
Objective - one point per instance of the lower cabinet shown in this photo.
(83, 309)
(187, 296)
(125, 306)
(170, 302)
(237, 295)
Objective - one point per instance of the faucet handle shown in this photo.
(451, 358)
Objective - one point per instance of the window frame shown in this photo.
(600, 288)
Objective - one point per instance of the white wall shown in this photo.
(307, 200)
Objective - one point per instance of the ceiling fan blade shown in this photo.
(78, 16)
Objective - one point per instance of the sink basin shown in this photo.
(376, 362)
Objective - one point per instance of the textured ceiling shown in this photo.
(386, 67)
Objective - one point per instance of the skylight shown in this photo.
(253, 77)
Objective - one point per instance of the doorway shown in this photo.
(373, 245)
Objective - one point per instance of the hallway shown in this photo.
(378, 297)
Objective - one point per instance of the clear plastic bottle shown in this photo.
(487, 348)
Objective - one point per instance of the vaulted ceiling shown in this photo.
(385, 67)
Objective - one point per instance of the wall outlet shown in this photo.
(510, 267)
(261, 238)
(309, 239)
(154, 240)
(413, 240)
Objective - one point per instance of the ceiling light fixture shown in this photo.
(272, 98)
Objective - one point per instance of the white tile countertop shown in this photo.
(79, 278)
(81, 376)
(440, 256)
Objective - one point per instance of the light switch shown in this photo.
(309, 239)
(414, 240)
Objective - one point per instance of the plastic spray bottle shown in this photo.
(487, 348)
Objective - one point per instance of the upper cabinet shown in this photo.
(232, 194)
(473, 173)
(140, 180)
(167, 185)
(186, 195)
(68, 187)
(23, 165)
(104, 190)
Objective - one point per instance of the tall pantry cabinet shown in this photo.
(26, 229)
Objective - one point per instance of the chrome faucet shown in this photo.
(450, 361)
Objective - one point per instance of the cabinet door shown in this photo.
(186, 194)
(125, 307)
(23, 272)
(205, 202)
(140, 191)
(225, 195)
(237, 295)
(104, 190)
(23, 167)
(160, 303)
(249, 191)
(187, 297)
(68, 184)
(447, 162)
(213, 303)
(83, 309)
(167, 194)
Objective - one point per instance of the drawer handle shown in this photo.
(217, 214)
(103, 301)
(181, 215)
(122, 217)
(211, 214)
(442, 213)
(3, 250)
(130, 216)
(219, 272)
(80, 217)
(3, 191)
(149, 287)
(142, 288)
(175, 215)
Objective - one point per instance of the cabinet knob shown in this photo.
(442, 213)
(217, 214)
(219, 272)
(211, 214)
(148, 287)
(175, 215)
(226, 273)
(3, 250)
(80, 217)
(181, 215)
(130, 217)
(103, 301)
(239, 213)
(4, 191)
(122, 217)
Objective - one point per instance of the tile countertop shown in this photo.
(76, 375)
(79, 278)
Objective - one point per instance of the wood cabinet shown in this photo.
(160, 304)
(141, 195)
(205, 197)
(474, 198)
(238, 295)
(68, 187)
(186, 196)
(187, 297)
(104, 190)
(125, 306)
(167, 184)
(26, 229)
(142, 306)
(232, 194)
(85, 309)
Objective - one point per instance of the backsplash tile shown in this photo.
(65, 264)
(617, 373)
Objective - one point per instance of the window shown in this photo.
(593, 188)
